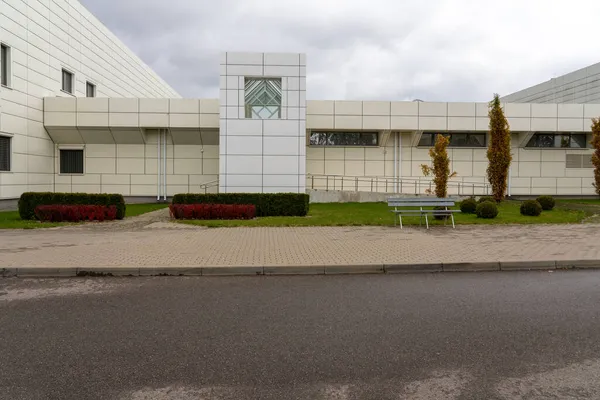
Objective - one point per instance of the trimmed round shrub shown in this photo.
(440, 216)
(531, 208)
(468, 206)
(483, 199)
(487, 210)
(547, 202)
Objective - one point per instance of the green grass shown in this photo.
(134, 210)
(11, 219)
(378, 214)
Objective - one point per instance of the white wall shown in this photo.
(46, 36)
(262, 155)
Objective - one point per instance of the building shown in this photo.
(80, 113)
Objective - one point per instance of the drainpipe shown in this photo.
(509, 179)
(395, 163)
(399, 158)
(165, 173)
(158, 170)
(165, 167)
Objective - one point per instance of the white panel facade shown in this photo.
(43, 38)
(265, 154)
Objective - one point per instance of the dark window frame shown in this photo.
(71, 161)
(70, 87)
(344, 139)
(5, 153)
(90, 86)
(5, 65)
(430, 136)
(547, 140)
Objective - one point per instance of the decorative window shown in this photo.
(67, 81)
(262, 98)
(90, 89)
(558, 140)
(344, 139)
(457, 139)
(71, 161)
(5, 65)
(5, 153)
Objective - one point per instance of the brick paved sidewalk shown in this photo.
(166, 244)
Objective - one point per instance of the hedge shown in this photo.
(267, 204)
(75, 213)
(30, 200)
(212, 211)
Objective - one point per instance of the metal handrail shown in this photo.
(206, 185)
(392, 185)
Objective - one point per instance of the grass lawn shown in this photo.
(11, 219)
(378, 214)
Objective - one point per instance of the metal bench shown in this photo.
(408, 206)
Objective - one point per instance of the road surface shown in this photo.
(440, 336)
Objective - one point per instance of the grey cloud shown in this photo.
(440, 50)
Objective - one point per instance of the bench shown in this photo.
(407, 206)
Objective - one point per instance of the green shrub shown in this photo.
(468, 206)
(442, 215)
(487, 209)
(267, 204)
(30, 200)
(483, 199)
(531, 208)
(547, 202)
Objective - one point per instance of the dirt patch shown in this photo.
(29, 289)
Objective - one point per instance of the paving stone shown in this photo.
(125, 243)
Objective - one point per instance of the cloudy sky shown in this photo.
(434, 50)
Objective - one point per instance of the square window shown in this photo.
(71, 161)
(90, 90)
(67, 81)
(262, 97)
(5, 64)
(5, 153)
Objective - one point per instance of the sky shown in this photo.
(433, 50)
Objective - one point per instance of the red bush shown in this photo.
(75, 213)
(212, 211)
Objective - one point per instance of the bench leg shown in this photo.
(453, 226)
(400, 217)
(426, 221)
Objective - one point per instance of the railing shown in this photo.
(415, 186)
(207, 185)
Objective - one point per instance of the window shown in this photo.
(90, 90)
(71, 161)
(457, 139)
(344, 139)
(558, 140)
(67, 81)
(4, 65)
(262, 98)
(4, 153)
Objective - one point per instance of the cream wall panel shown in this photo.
(382, 108)
(461, 109)
(130, 166)
(544, 124)
(348, 122)
(404, 108)
(553, 169)
(354, 168)
(376, 122)
(348, 108)
(100, 166)
(404, 122)
(461, 123)
(319, 122)
(334, 167)
(433, 123)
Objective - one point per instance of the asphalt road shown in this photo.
(441, 336)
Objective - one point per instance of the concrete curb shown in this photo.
(64, 272)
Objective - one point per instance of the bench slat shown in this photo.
(447, 204)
